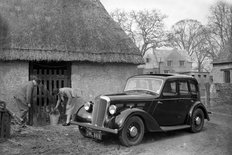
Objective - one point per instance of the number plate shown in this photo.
(94, 134)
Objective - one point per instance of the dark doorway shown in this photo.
(53, 75)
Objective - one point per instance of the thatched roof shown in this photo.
(62, 30)
(225, 55)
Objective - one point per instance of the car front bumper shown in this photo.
(99, 128)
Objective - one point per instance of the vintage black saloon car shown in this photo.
(149, 103)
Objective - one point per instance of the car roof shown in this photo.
(165, 76)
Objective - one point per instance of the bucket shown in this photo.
(54, 119)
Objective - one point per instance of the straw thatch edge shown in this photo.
(29, 54)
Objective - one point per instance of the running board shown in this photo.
(177, 127)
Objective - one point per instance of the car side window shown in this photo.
(193, 88)
(170, 89)
(183, 87)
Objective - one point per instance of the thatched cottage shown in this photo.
(65, 43)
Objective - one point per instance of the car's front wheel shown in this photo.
(132, 132)
(197, 122)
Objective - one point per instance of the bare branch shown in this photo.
(146, 28)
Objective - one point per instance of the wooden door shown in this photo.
(53, 75)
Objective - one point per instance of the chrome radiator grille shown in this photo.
(99, 112)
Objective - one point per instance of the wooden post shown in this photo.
(207, 94)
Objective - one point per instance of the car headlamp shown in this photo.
(88, 106)
(112, 109)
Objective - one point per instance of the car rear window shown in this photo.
(193, 88)
(183, 86)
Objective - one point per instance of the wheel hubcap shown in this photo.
(133, 131)
(198, 120)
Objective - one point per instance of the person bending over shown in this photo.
(73, 100)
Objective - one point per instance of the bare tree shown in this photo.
(191, 36)
(183, 35)
(146, 28)
(212, 43)
(220, 24)
(202, 52)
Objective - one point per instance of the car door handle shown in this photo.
(159, 102)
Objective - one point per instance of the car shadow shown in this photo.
(150, 137)
(160, 136)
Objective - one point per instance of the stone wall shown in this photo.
(12, 75)
(220, 93)
(95, 79)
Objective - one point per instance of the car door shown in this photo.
(185, 100)
(165, 112)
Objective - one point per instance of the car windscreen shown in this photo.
(147, 84)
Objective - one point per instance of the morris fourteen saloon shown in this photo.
(149, 103)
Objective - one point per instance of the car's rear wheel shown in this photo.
(197, 121)
(132, 132)
(82, 131)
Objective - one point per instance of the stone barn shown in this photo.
(220, 92)
(65, 43)
(222, 66)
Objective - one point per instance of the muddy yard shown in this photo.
(214, 139)
(58, 140)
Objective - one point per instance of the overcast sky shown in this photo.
(175, 9)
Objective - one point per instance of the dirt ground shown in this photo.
(49, 140)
